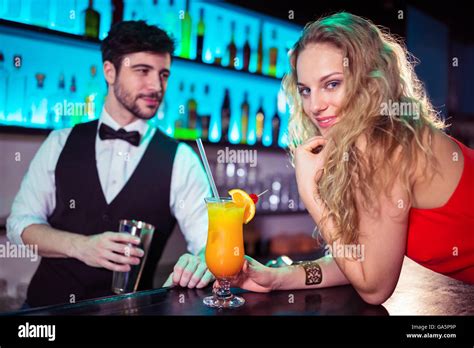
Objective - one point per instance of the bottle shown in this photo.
(38, 103)
(186, 31)
(94, 96)
(16, 89)
(3, 88)
(247, 50)
(259, 121)
(117, 11)
(232, 48)
(272, 70)
(91, 21)
(260, 50)
(180, 122)
(276, 128)
(192, 110)
(57, 104)
(201, 30)
(225, 115)
(74, 110)
(244, 118)
(204, 113)
(39, 13)
(218, 43)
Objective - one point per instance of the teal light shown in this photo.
(267, 139)
(214, 134)
(234, 133)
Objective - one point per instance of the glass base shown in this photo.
(229, 302)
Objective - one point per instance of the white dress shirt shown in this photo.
(36, 199)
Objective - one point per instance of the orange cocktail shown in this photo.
(225, 242)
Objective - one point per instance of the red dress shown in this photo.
(442, 239)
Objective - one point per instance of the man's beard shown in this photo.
(131, 103)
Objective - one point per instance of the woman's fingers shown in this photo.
(313, 143)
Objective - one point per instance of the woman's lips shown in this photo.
(327, 121)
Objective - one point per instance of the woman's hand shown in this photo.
(309, 163)
(254, 277)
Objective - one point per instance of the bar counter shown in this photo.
(419, 292)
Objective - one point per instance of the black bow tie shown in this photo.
(106, 132)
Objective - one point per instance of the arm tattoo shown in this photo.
(314, 274)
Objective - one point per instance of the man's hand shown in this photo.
(111, 250)
(190, 271)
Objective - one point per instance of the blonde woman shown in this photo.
(387, 178)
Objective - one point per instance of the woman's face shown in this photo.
(319, 68)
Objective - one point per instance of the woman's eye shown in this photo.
(304, 91)
(333, 84)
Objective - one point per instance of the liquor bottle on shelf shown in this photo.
(218, 43)
(272, 69)
(225, 115)
(3, 88)
(38, 103)
(201, 30)
(56, 104)
(16, 92)
(63, 16)
(180, 121)
(247, 50)
(232, 48)
(204, 114)
(94, 96)
(39, 13)
(192, 110)
(186, 129)
(259, 122)
(276, 128)
(205, 121)
(180, 113)
(117, 10)
(260, 51)
(91, 21)
(186, 31)
(244, 119)
(75, 112)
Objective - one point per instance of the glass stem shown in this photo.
(224, 291)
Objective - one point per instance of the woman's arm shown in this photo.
(382, 236)
(383, 242)
(321, 273)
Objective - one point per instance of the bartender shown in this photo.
(84, 179)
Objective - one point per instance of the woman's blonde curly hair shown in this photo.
(379, 71)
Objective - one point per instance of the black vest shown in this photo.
(81, 208)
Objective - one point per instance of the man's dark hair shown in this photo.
(134, 36)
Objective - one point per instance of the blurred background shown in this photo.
(225, 88)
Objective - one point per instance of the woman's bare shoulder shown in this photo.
(434, 186)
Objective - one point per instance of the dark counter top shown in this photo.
(419, 291)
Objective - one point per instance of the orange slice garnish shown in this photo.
(242, 199)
